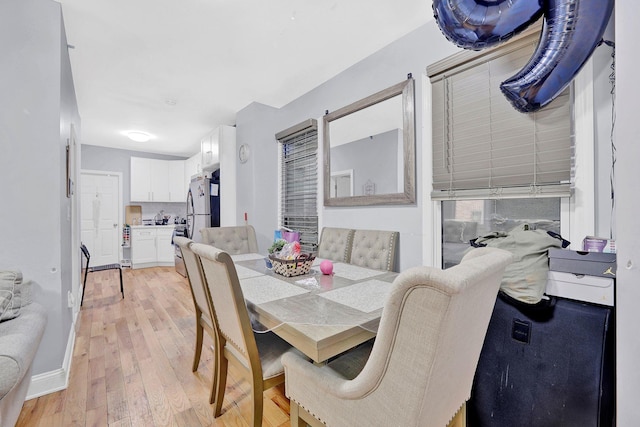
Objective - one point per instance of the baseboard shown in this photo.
(56, 380)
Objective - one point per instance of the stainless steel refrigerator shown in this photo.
(203, 205)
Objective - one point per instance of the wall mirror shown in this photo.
(369, 150)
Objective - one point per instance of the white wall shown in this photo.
(36, 110)
(627, 137)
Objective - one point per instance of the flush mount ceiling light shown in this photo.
(138, 136)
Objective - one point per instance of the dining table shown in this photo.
(321, 315)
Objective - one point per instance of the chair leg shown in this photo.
(84, 284)
(221, 383)
(294, 414)
(199, 334)
(256, 412)
(121, 286)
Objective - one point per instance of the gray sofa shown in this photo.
(22, 325)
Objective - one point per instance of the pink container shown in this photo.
(291, 236)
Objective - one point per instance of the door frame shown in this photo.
(78, 292)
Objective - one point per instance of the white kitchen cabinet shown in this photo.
(160, 181)
(192, 167)
(177, 183)
(149, 180)
(211, 144)
(151, 246)
(140, 179)
(164, 249)
(143, 246)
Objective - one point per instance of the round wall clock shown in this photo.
(243, 153)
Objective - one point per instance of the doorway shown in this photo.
(342, 183)
(100, 216)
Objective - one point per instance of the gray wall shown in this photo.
(115, 160)
(410, 54)
(37, 108)
(257, 179)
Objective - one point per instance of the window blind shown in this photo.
(299, 180)
(482, 146)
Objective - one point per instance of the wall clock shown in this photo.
(243, 153)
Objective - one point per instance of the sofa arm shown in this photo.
(19, 341)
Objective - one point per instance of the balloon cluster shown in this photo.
(571, 31)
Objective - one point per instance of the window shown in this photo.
(482, 146)
(299, 181)
(495, 168)
(464, 220)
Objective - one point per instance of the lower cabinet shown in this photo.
(151, 246)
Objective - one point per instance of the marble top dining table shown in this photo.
(320, 315)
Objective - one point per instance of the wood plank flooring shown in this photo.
(132, 362)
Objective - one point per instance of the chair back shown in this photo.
(234, 324)
(375, 249)
(233, 240)
(430, 337)
(194, 276)
(85, 252)
(335, 244)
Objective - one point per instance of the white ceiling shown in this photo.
(179, 68)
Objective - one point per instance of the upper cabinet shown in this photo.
(192, 167)
(177, 184)
(210, 146)
(154, 180)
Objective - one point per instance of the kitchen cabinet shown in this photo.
(143, 246)
(210, 146)
(154, 180)
(151, 246)
(164, 249)
(177, 184)
(192, 167)
(149, 180)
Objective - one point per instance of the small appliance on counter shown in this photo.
(161, 218)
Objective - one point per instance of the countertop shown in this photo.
(156, 226)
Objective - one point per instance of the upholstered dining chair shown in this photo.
(201, 296)
(421, 367)
(255, 355)
(234, 240)
(375, 249)
(335, 244)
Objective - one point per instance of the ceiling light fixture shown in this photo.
(138, 136)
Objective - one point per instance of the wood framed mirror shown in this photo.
(373, 139)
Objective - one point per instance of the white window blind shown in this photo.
(482, 146)
(299, 180)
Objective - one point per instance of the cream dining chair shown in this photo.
(240, 239)
(375, 249)
(204, 316)
(335, 244)
(256, 356)
(423, 360)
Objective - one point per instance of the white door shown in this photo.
(99, 213)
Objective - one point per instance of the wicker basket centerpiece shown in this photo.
(292, 267)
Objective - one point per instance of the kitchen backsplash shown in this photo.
(150, 210)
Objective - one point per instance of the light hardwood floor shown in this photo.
(132, 362)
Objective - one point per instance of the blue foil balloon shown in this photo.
(572, 30)
(478, 24)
